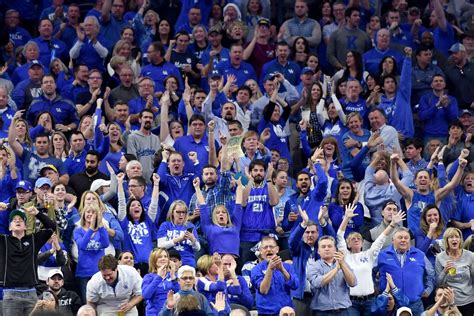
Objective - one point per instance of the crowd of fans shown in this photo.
(202, 157)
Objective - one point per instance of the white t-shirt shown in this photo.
(109, 299)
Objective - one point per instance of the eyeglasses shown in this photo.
(190, 278)
(268, 247)
(181, 212)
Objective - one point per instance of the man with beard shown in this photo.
(175, 184)
(195, 146)
(68, 301)
(228, 113)
(330, 278)
(216, 190)
(63, 111)
(459, 77)
(273, 279)
(258, 219)
(305, 197)
(302, 243)
(74, 163)
(411, 271)
(79, 85)
(81, 182)
(143, 144)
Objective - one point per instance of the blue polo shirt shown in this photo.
(62, 110)
(159, 73)
(243, 73)
(186, 144)
(50, 49)
(290, 70)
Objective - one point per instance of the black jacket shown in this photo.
(19, 258)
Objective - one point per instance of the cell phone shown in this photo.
(189, 230)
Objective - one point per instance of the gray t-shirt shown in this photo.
(461, 282)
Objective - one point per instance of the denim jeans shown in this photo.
(83, 288)
(361, 308)
(417, 308)
(16, 303)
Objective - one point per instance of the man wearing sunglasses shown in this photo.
(186, 279)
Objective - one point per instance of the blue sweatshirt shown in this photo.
(139, 237)
(155, 290)
(278, 295)
(436, 120)
(90, 247)
(240, 294)
(301, 252)
(398, 110)
(222, 240)
(173, 188)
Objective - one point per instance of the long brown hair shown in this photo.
(425, 227)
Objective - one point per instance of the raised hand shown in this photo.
(304, 215)
(120, 178)
(265, 135)
(211, 125)
(323, 213)
(156, 179)
(318, 153)
(170, 302)
(398, 218)
(219, 305)
(390, 280)
(197, 183)
(350, 208)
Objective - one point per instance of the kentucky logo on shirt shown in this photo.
(93, 245)
(412, 259)
(136, 232)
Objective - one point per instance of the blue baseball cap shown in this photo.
(270, 76)
(215, 73)
(25, 185)
(42, 181)
(305, 70)
(34, 63)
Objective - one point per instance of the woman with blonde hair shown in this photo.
(362, 261)
(455, 268)
(92, 239)
(179, 233)
(19, 127)
(123, 48)
(256, 92)
(223, 230)
(213, 279)
(159, 281)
